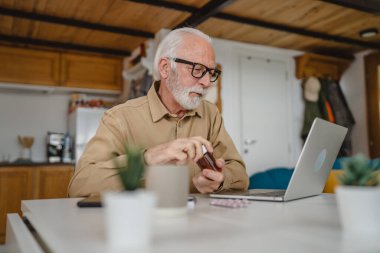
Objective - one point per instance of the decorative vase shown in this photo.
(128, 219)
(359, 209)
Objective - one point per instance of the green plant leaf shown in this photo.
(359, 171)
(132, 172)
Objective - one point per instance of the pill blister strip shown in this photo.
(231, 203)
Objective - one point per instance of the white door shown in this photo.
(265, 114)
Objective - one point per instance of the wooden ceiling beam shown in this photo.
(74, 23)
(168, 5)
(60, 45)
(299, 31)
(369, 6)
(264, 24)
(207, 11)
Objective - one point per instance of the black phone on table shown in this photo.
(91, 201)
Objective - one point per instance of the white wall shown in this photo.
(353, 86)
(31, 113)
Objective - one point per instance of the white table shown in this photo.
(306, 225)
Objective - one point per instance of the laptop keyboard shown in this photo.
(270, 194)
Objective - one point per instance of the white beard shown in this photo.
(182, 94)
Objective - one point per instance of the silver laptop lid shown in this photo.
(316, 159)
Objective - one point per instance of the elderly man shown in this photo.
(171, 123)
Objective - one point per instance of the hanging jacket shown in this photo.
(342, 113)
(312, 109)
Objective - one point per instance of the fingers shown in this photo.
(178, 151)
(165, 154)
(220, 163)
(183, 149)
(208, 181)
(200, 140)
(213, 175)
(192, 147)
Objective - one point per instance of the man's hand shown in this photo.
(207, 181)
(177, 152)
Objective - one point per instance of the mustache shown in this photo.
(199, 90)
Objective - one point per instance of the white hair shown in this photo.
(170, 44)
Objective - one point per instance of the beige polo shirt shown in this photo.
(146, 122)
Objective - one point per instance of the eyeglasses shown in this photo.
(199, 70)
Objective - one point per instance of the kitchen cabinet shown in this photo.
(26, 66)
(52, 182)
(30, 182)
(320, 66)
(60, 69)
(15, 185)
(91, 72)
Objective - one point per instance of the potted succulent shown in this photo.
(129, 213)
(132, 172)
(358, 196)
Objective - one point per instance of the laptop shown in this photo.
(312, 169)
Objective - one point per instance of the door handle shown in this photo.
(249, 142)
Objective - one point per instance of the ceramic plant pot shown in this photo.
(359, 210)
(128, 219)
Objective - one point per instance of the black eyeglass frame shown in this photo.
(207, 69)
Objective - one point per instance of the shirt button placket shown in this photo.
(179, 128)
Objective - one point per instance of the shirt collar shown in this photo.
(158, 110)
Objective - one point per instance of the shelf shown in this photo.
(320, 66)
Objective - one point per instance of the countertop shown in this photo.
(33, 164)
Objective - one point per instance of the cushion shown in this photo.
(274, 178)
